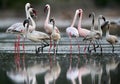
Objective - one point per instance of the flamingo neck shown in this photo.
(93, 23)
(99, 27)
(26, 11)
(48, 15)
(79, 22)
(107, 32)
(32, 21)
(73, 23)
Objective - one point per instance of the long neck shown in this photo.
(99, 26)
(26, 11)
(107, 32)
(32, 21)
(48, 15)
(79, 23)
(75, 16)
(93, 23)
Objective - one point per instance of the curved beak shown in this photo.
(103, 18)
(45, 9)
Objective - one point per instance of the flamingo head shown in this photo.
(105, 24)
(33, 12)
(52, 20)
(26, 23)
(102, 17)
(80, 12)
(92, 14)
(47, 6)
(28, 5)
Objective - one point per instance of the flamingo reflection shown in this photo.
(53, 74)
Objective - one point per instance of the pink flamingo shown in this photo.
(72, 31)
(47, 26)
(82, 32)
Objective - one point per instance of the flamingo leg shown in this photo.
(78, 45)
(112, 48)
(50, 45)
(85, 46)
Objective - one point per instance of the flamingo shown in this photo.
(55, 36)
(82, 32)
(35, 36)
(47, 26)
(18, 29)
(99, 31)
(72, 31)
(92, 34)
(111, 39)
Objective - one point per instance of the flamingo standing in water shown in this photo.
(112, 39)
(18, 29)
(35, 36)
(99, 31)
(55, 36)
(72, 31)
(82, 32)
(47, 26)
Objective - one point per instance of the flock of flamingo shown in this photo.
(52, 32)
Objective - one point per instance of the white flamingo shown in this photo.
(55, 36)
(35, 36)
(47, 26)
(111, 39)
(72, 31)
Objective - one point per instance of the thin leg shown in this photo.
(70, 44)
(57, 46)
(50, 45)
(85, 46)
(78, 45)
(112, 48)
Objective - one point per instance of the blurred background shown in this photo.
(62, 10)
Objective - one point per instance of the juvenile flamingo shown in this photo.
(72, 31)
(47, 26)
(36, 36)
(111, 39)
(55, 36)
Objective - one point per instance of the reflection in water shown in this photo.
(28, 75)
(72, 72)
(90, 68)
(53, 74)
(112, 65)
(45, 70)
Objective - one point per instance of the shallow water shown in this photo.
(49, 68)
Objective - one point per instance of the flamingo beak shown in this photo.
(103, 18)
(104, 24)
(90, 15)
(31, 6)
(45, 9)
(79, 14)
